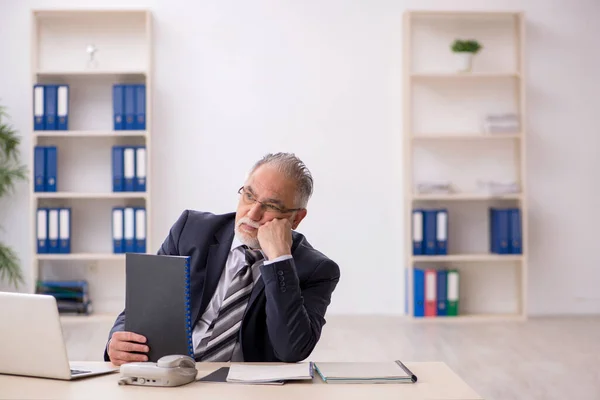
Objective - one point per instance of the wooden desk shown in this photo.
(435, 381)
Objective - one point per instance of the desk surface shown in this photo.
(435, 381)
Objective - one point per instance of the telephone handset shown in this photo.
(174, 370)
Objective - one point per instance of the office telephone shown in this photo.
(174, 370)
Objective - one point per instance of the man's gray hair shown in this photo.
(292, 167)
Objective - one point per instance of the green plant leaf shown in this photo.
(9, 142)
(9, 266)
(10, 174)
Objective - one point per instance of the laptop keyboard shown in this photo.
(78, 372)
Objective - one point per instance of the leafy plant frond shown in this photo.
(10, 174)
(9, 266)
(466, 46)
(9, 141)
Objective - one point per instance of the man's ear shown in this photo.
(300, 214)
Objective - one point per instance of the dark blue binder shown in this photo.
(419, 292)
(129, 107)
(50, 107)
(140, 169)
(140, 107)
(62, 107)
(516, 238)
(118, 108)
(129, 169)
(117, 169)
(442, 292)
(118, 223)
(51, 168)
(442, 232)
(64, 234)
(429, 231)
(129, 229)
(417, 231)
(53, 230)
(39, 115)
(42, 230)
(140, 230)
(500, 231)
(39, 168)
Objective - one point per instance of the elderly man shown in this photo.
(259, 289)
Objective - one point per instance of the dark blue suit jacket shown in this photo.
(286, 310)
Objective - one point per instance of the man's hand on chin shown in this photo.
(275, 238)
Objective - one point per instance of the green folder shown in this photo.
(453, 292)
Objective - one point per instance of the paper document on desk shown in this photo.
(269, 374)
(365, 372)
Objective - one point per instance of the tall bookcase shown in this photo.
(444, 141)
(60, 40)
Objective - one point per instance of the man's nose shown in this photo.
(256, 212)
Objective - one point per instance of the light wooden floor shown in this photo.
(545, 358)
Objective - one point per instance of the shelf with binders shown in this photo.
(64, 168)
(84, 104)
(91, 229)
(467, 290)
(481, 232)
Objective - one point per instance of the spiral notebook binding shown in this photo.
(188, 317)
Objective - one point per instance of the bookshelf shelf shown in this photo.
(465, 136)
(469, 258)
(91, 134)
(81, 257)
(445, 117)
(465, 197)
(92, 196)
(90, 51)
(471, 318)
(469, 75)
(92, 318)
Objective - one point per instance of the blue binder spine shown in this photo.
(430, 223)
(129, 107)
(51, 168)
(140, 230)
(140, 169)
(442, 232)
(118, 108)
(128, 169)
(503, 221)
(188, 313)
(53, 231)
(129, 229)
(417, 231)
(516, 236)
(64, 230)
(42, 230)
(419, 292)
(140, 107)
(50, 107)
(39, 168)
(39, 115)
(442, 292)
(118, 169)
(63, 107)
(117, 229)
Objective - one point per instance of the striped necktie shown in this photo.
(219, 341)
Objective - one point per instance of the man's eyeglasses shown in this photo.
(249, 199)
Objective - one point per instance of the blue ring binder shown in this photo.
(188, 317)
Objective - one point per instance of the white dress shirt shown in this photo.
(235, 261)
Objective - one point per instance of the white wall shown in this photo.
(236, 79)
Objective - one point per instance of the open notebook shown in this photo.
(269, 374)
(365, 372)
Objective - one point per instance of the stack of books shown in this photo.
(72, 297)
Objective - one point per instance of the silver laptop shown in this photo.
(31, 340)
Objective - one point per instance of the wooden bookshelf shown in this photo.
(444, 140)
(59, 40)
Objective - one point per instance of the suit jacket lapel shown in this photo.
(215, 262)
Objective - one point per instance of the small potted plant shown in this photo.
(464, 50)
